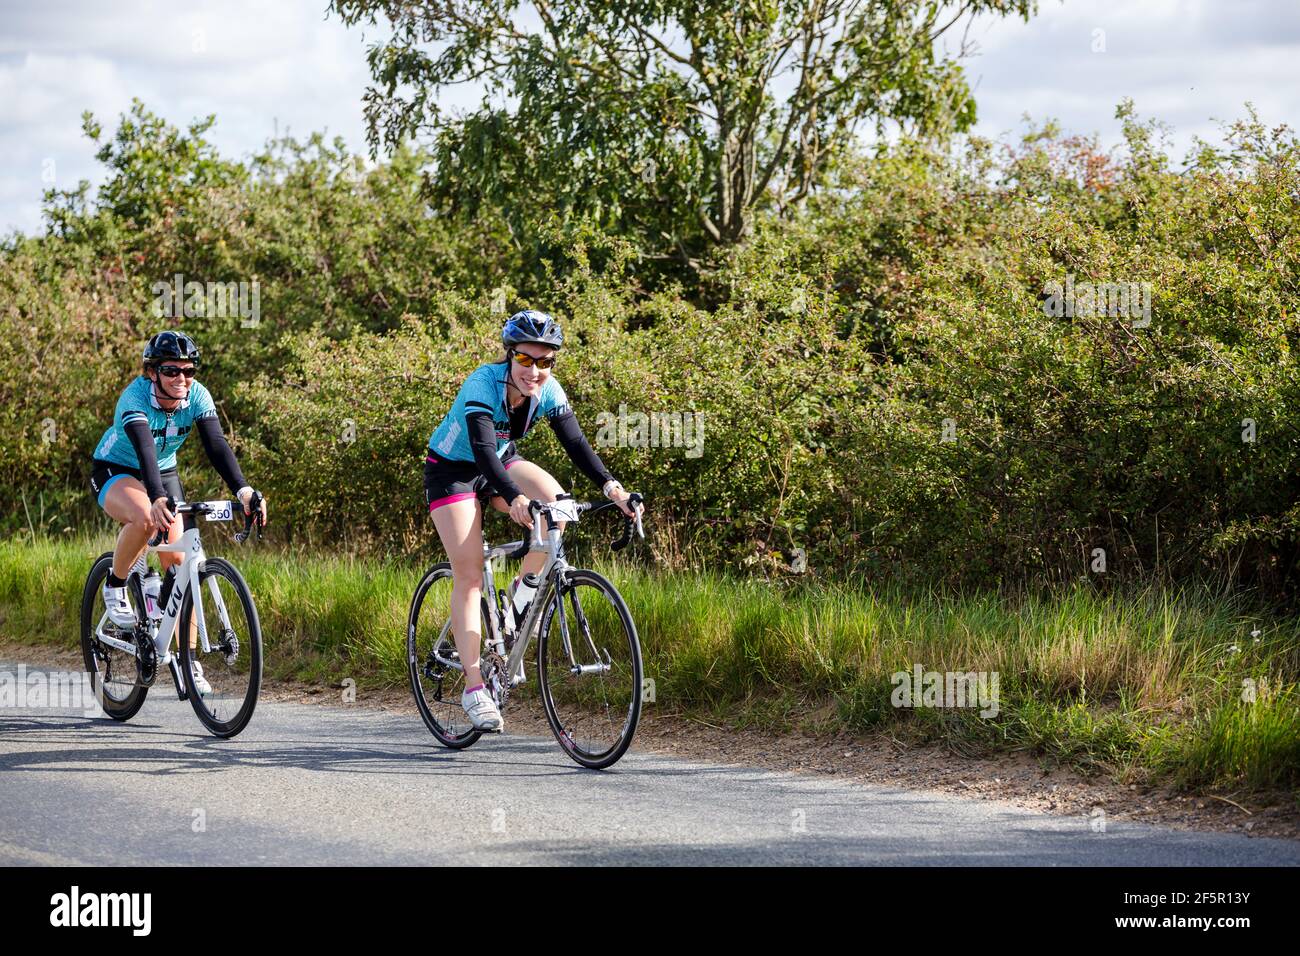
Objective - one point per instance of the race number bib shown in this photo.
(566, 509)
(221, 510)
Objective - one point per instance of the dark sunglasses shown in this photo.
(171, 371)
(527, 361)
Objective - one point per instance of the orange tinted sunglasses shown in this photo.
(527, 361)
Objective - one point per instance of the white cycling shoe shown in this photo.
(482, 710)
(200, 682)
(119, 608)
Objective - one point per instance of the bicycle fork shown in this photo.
(601, 666)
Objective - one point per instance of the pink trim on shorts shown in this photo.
(451, 498)
(511, 464)
(430, 459)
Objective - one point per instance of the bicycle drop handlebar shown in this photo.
(634, 501)
(251, 517)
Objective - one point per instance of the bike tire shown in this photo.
(121, 709)
(550, 668)
(233, 725)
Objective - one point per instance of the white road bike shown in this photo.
(220, 632)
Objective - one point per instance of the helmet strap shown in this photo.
(158, 388)
(510, 381)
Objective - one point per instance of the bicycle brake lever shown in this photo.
(637, 503)
(252, 519)
(161, 536)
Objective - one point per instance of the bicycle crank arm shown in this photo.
(122, 646)
(174, 664)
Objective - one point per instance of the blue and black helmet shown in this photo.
(170, 345)
(532, 326)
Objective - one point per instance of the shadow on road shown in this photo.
(102, 745)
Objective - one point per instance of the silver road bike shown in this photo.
(588, 662)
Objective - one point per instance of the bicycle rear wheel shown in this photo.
(432, 660)
(586, 627)
(115, 675)
(233, 665)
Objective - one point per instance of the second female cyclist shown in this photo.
(472, 458)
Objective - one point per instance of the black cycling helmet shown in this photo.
(170, 345)
(532, 326)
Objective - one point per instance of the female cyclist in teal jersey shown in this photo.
(472, 458)
(135, 463)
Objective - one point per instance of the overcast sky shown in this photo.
(262, 67)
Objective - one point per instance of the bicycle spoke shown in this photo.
(232, 664)
(437, 679)
(591, 671)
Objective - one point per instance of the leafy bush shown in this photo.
(886, 383)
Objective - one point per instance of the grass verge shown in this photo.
(1185, 686)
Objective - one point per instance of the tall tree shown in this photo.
(670, 121)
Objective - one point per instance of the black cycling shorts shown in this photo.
(447, 481)
(104, 473)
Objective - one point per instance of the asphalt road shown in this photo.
(306, 784)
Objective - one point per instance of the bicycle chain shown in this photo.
(148, 656)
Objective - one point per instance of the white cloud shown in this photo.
(267, 67)
(261, 68)
(1186, 62)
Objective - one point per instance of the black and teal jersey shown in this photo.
(170, 429)
(485, 391)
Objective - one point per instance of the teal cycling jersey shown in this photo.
(485, 391)
(170, 429)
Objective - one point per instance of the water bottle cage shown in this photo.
(516, 616)
(504, 620)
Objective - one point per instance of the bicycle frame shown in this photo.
(551, 574)
(555, 566)
(187, 575)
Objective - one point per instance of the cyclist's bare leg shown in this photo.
(534, 481)
(126, 502)
(460, 526)
(167, 559)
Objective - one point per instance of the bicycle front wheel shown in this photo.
(232, 666)
(589, 662)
